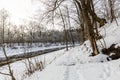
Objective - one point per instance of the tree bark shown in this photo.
(88, 17)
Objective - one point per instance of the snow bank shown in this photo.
(72, 66)
(77, 64)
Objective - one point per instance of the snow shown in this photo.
(67, 67)
(111, 33)
(25, 49)
(19, 67)
(75, 64)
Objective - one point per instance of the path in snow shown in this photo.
(72, 74)
(107, 72)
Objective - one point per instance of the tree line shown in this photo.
(32, 32)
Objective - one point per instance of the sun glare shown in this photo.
(19, 10)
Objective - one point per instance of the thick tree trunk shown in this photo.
(88, 17)
(90, 8)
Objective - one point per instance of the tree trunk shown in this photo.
(112, 13)
(88, 17)
(65, 31)
(80, 17)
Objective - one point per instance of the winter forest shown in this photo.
(59, 39)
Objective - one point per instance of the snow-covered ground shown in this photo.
(19, 67)
(75, 64)
(24, 49)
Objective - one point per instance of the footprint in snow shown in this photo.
(106, 71)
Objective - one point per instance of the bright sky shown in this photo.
(20, 10)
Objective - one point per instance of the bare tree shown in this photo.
(3, 16)
(65, 31)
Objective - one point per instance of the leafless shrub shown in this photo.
(33, 65)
